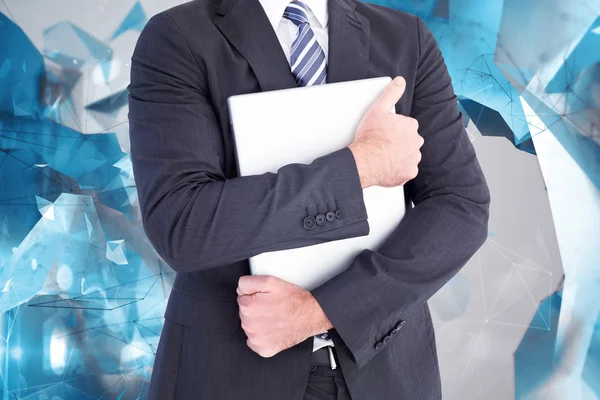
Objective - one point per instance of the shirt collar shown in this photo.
(275, 8)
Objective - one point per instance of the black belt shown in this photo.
(325, 356)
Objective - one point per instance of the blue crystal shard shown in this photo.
(71, 47)
(490, 123)
(535, 355)
(135, 20)
(21, 72)
(111, 104)
(581, 58)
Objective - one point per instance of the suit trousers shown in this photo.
(326, 384)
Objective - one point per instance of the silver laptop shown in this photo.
(265, 141)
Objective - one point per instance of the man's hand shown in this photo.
(386, 145)
(277, 315)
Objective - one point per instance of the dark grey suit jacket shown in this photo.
(206, 222)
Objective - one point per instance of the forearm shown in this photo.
(379, 290)
(197, 224)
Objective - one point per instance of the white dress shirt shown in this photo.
(286, 32)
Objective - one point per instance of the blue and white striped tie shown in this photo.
(307, 58)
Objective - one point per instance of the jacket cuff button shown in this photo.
(378, 346)
(339, 214)
(330, 216)
(309, 223)
(320, 218)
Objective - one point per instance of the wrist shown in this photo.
(362, 165)
(319, 322)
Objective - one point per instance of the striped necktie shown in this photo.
(307, 58)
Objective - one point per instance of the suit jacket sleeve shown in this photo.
(371, 299)
(194, 216)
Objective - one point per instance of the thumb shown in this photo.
(251, 284)
(390, 96)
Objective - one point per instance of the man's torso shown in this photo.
(203, 352)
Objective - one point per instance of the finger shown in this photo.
(250, 284)
(390, 96)
(244, 300)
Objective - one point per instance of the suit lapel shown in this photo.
(246, 26)
(349, 39)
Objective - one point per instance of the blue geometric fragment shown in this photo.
(25, 180)
(527, 145)
(591, 368)
(5, 68)
(71, 47)
(535, 355)
(115, 251)
(124, 343)
(520, 77)
(583, 56)
(40, 160)
(135, 20)
(45, 207)
(125, 177)
(57, 93)
(490, 123)
(21, 72)
(583, 94)
(464, 114)
(109, 299)
(87, 159)
(111, 104)
(60, 244)
(566, 128)
(483, 82)
(67, 279)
